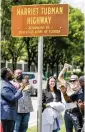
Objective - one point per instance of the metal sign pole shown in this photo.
(40, 68)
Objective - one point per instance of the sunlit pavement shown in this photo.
(33, 116)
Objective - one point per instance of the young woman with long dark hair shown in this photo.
(52, 107)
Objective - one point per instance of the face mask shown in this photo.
(10, 78)
(20, 77)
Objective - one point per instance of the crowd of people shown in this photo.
(16, 103)
(73, 93)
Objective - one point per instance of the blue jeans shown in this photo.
(72, 119)
(21, 123)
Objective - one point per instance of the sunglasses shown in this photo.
(51, 77)
(72, 80)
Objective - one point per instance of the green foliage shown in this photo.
(4, 52)
(34, 129)
(27, 2)
(68, 74)
(79, 73)
(76, 35)
(56, 49)
(31, 48)
(12, 49)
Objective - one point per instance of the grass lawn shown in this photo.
(34, 129)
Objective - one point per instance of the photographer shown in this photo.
(9, 98)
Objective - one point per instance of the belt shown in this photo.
(73, 110)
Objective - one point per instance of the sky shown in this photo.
(76, 4)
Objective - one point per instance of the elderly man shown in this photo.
(9, 98)
(71, 94)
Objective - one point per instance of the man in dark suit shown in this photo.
(9, 97)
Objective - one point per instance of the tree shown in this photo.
(11, 47)
(76, 36)
(31, 47)
(30, 43)
(65, 49)
(4, 52)
(56, 49)
(12, 50)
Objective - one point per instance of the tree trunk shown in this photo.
(51, 66)
(28, 53)
(57, 68)
(82, 67)
(28, 64)
(14, 63)
(52, 70)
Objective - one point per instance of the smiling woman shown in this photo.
(51, 105)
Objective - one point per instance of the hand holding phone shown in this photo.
(63, 89)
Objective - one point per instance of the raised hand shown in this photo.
(23, 85)
(67, 65)
(63, 89)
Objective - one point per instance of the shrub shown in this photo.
(79, 73)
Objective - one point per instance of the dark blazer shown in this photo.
(9, 97)
(47, 97)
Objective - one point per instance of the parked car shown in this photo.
(33, 79)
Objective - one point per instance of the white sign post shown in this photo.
(40, 73)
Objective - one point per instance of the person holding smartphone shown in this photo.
(24, 106)
(9, 98)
